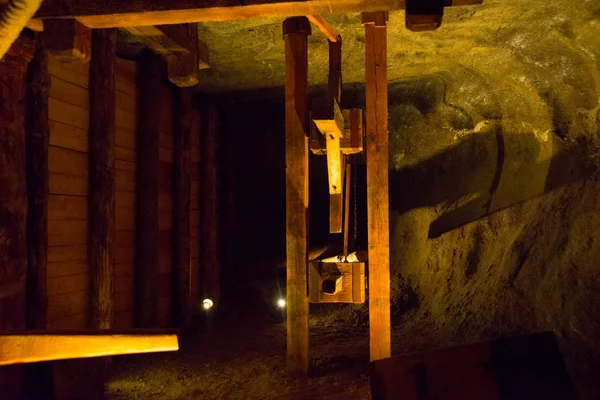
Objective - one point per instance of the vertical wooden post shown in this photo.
(37, 141)
(146, 265)
(181, 206)
(209, 207)
(295, 34)
(102, 176)
(377, 182)
(13, 200)
(335, 91)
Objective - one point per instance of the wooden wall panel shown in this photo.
(195, 207)
(68, 271)
(68, 275)
(165, 206)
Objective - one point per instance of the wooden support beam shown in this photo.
(68, 40)
(182, 206)
(352, 143)
(377, 182)
(37, 142)
(147, 144)
(99, 14)
(295, 34)
(325, 27)
(13, 200)
(102, 176)
(424, 15)
(32, 346)
(209, 208)
(179, 45)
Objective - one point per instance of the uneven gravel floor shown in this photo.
(246, 360)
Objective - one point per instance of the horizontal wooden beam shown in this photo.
(99, 14)
(34, 346)
(325, 27)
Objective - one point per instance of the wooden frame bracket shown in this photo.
(68, 40)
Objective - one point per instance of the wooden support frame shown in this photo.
(37, 141)
(424, 15)
(182, 207)
(36, 346)
(147, 144)
(325, 27)
(102, 176)
(98, 14)
(377, 183)
(295, 34)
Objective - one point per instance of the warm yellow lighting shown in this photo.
(207, 304)
(281, 303)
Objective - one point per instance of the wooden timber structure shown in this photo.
(102, 225)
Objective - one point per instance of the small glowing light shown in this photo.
(281, 303)
(207, 303)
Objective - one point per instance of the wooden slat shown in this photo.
(125, 120)
(67, 207)
(66, 268)
(65, 232)
(68, 137)
(124, 219)
(63, 305)
(67, 284)
(126, 102)
(124, 284)
(69, 93)
(124, 255)
(125, 139)
(102, 175)
(125, 239)
(37, 138)
(152, 12)
(124, 269)
(75, 72)
(123, 301)
(68, 114)
(125, 181)
(124, 154)
(65, 161)
(77, 321)
(325, 27)
(68, 184)
(67, 253)
(377, 183)
(296, 31)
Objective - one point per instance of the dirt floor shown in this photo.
(246, 360)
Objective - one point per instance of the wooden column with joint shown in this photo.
(209, 203)
(147, 142)
(102, 176)
(182, 206)
(377, 182)
(13, 200)
(295, 34)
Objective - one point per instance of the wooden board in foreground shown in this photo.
(29, 347)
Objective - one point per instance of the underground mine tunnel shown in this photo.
(310, 199)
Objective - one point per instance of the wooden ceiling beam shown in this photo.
(98, 14)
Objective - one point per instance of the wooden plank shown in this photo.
(124, 269)
(325, 27)
(68, 184)
(97, 14)
(123, 301)
(37, 140)
(68, 40)
(181, 206)
(125, 239)
(66, 304)
(424, 15)
(295, 33)
(121, 165)
(43, 346)
(77, 321)
(125, 120)
(102, 175)
(66, 268)
(125, 219)
(69, 93)
(124, 154)
(62, 207)
(75, 72)
(124, 255)
(67, 284)
(64, 233)
(67, 253)
(124, 284)
(68, 137)
(68, 114)
(146, 306)
(66, 161)
(125, 181)
(377, 183)
(210, 226)
(125, 200)
(126, 102)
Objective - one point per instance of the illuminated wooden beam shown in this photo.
(325, 27)
(295, 34)
(99, 14)
(377, 183)
(34, 346)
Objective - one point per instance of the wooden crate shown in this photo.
(527, 367)
(350, 285)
